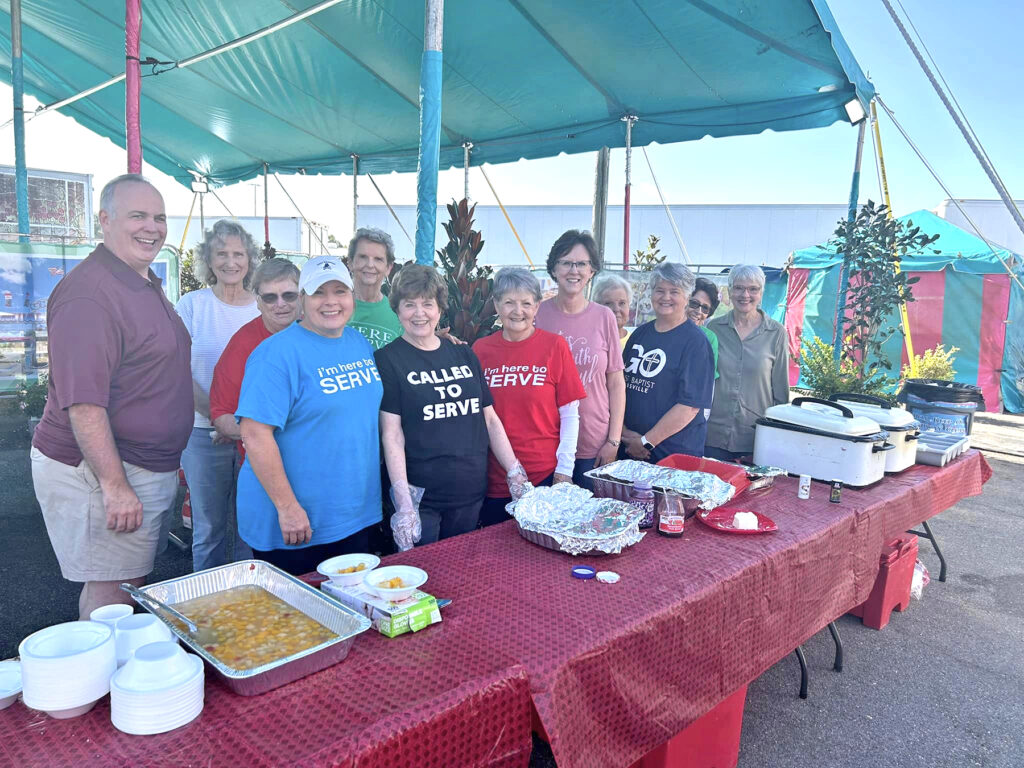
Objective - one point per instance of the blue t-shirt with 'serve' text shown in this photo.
(322, 397)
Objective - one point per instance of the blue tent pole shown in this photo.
(18, 84)
(844, 273)
(430, 131)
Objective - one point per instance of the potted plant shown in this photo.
(31, 400)
(471, 314)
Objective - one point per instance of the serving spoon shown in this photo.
(202, 635)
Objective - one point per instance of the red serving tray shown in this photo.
(721, 520)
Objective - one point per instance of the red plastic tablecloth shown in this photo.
(613, 670)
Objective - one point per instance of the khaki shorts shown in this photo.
(76, 520)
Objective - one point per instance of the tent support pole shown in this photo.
(628, 120)
(908, 342)
(132, 84)
(266, 208)
(390, 209)
(430, 131)
(668, 211)
(18, 85)
(844, 273)
(599, 223)
(507, 217)
(202, 217)
(466, 149)
(355, 192)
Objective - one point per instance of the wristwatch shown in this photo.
(646, 443)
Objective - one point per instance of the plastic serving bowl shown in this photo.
(67, 667)
(330, 568)
(413, 578)
(138, 630)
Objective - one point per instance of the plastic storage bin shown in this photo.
(945, 406)
(892, 586)
(711, 741)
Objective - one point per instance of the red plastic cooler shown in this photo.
(892, 587)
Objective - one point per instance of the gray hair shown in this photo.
(676, 274)
(218, 233)
(372, 235)
(274, 269)
(609, 282)
(107, 194)
(746, 272)
(512, 280)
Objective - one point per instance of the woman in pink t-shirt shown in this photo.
(593, 337)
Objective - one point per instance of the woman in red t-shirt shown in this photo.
(536, 391)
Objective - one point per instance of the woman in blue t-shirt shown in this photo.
(437, 418)
(310, 485)
(670, 373)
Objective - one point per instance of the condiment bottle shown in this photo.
(642, 496)
(671, 516)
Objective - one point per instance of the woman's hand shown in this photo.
(294, 524)
(606, 455)
(560, 478)
(635, 448)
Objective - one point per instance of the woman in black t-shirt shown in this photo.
(437, 418)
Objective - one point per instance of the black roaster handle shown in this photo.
(882, 447)
(798, 401)
(860, 397)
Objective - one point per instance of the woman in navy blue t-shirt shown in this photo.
(670, 373)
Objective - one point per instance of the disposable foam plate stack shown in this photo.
(67, 666)
(160, 688)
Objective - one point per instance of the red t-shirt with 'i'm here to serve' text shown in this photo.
(529, 381)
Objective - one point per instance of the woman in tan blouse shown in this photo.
(753, 367)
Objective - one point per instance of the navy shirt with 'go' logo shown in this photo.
(665, 369)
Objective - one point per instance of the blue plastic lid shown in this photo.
(583, 572)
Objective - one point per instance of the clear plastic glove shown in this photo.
(518, 483)
(405, 523)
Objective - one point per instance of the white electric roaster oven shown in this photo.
(822, 439)
(901, 425)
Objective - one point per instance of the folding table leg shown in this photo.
(803, 671)
(927, 534)
(834, 630)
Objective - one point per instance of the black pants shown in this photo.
(493, 510)
(300, 560)
(442, 521)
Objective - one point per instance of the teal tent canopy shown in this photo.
(957, 249)
(522, 78)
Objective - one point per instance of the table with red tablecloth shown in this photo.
(613, 670)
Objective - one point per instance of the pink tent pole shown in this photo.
(132, 84)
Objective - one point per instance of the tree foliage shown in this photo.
(470, 314)
(873, 245)
(646, 259)
(821, 378)
(187, 281)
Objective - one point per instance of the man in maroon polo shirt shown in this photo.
(119, 407)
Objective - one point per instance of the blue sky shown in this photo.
(975, 44)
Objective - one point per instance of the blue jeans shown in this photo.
(583, 465)
(211, 472)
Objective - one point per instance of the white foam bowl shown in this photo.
(67, 666)
(331, 566)
(155, 667)
(413, 578)
(10, 683)
(138, 630)
(111, 614)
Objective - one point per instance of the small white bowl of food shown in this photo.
(348, 570)
(394, 582)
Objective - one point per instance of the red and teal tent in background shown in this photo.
(965, 298)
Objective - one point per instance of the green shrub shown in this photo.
(822, 380)
(934, 363)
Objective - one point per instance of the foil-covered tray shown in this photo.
(700, 489)
(340, 619)
(570, 519)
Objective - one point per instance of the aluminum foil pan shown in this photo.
(763, 476)
(576, 522)
(340, 619)
(709, 490)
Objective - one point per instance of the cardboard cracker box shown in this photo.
(414, 613)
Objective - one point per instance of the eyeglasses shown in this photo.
(569, 266)
(694, 304)
(751, 289)
(288, 297)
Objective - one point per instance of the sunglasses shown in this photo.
(289, 297)
(705, 308)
